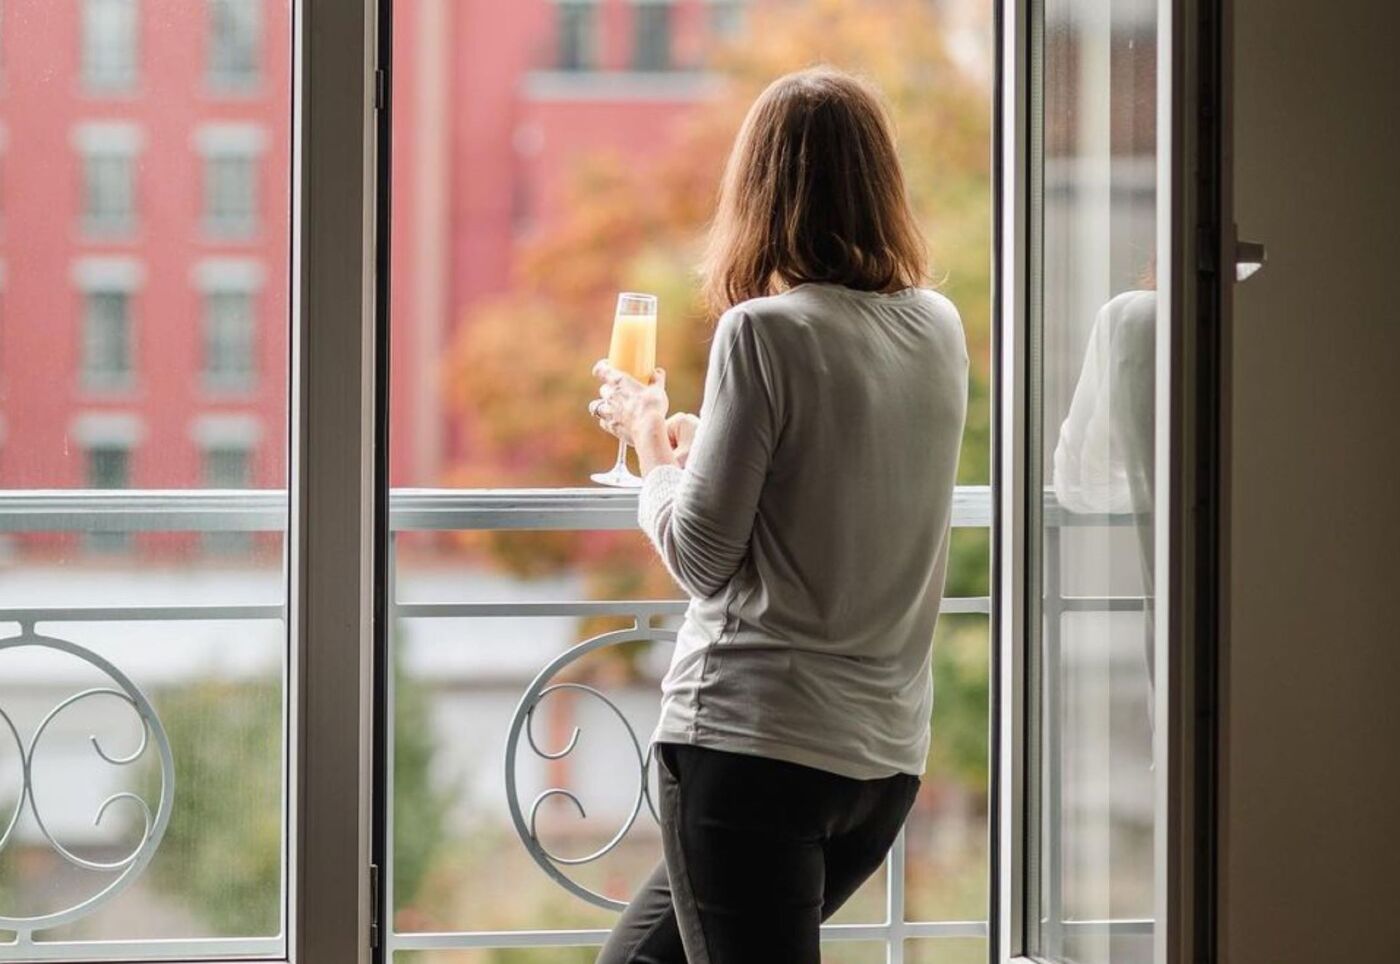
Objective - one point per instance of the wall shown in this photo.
(1312, 843)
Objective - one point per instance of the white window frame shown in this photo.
(1191, 246)
(333, 539)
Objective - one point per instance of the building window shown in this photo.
(230, 194)
(106, 361)
(227, 467)
(108, 194)
(109, 44)
(229, 326)
(651, 36)
(108, 467)
(232, 155)
(235, 40)
(108, 152)
(106, 344)
(726, 18)
(578, 34)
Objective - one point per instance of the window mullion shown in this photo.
(332, 533)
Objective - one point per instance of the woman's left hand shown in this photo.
(625, 407)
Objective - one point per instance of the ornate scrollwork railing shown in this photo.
(127, 867)
(522, 724)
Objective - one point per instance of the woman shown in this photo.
(806, 512)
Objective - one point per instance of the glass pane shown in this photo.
(142, 642)
(1097, 331)
(536, 175)
(946, 950)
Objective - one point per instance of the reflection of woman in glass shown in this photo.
(809, 524)
(1105, 457)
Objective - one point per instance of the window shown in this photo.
(4, 140)
(726, 18)
(651, 35)
(231, 163)
(226, 465)
(106, 286)
(106, 340)
(595, 181)
(235, 36)
(1092, 651)
(228, 338)
(577, 37)
(4, 276)
(228, 293)
(108, 157)
(109, 44)
(108, 467)
(107, 194)
(163, 817)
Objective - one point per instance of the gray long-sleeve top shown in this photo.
(810, 528)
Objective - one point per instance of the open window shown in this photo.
(300, 300)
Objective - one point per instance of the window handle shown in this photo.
(1249, 258)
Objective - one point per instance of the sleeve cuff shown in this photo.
(658, 491)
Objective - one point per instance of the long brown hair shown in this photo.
(813, 192)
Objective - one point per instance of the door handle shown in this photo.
(1249, 258)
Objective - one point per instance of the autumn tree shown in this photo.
(517, 373)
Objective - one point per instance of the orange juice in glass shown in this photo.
(633, 352)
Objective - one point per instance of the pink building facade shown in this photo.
(144, 179)
(493, 103)
(145, 166)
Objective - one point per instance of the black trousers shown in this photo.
(758, 853)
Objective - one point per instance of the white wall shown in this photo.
(1312, 822)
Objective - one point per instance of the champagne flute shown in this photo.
(633, 352)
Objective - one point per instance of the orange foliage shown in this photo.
(518, 368)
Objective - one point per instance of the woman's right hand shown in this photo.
(680, 431)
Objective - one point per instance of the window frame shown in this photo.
(1192, 238)
(333, 548)
(334, 544)
(336, 549)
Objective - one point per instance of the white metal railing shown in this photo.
(421, 510)
(603, 509)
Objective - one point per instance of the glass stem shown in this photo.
(621, 465)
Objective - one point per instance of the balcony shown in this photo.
(545, 798)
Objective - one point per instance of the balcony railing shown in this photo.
(411, 510)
